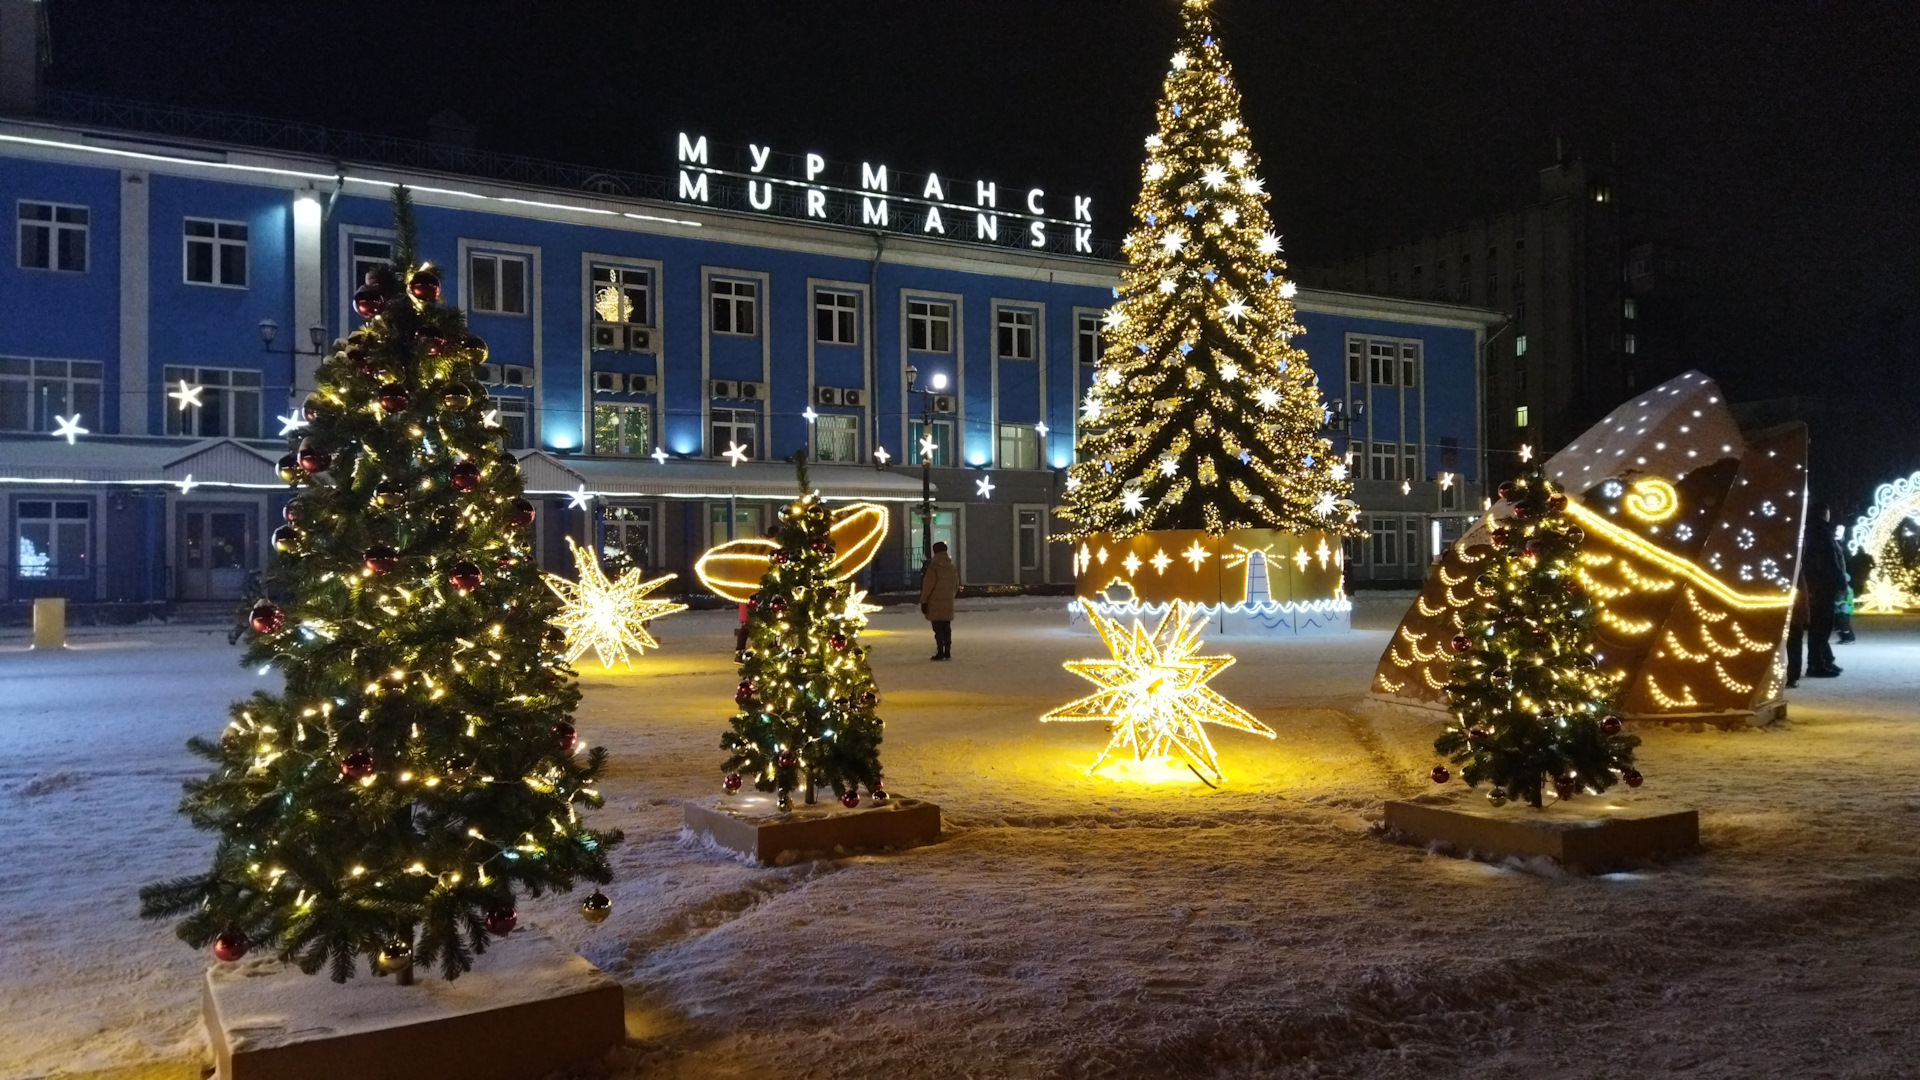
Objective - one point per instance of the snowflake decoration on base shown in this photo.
(608, 616)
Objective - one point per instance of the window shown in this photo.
(53, 236)
(1409, 364)
(1087, 340)
(33, 392)
(1520, 345)
(216, 253)
(497, 284)
(1411, 545)
(1520, 416)
(53, 539)
(1629, 308)
(733, 306)
(1382, 354)
(369, 254)
(515, 432)
(1386, 542)
(1019, 447)
(942, 432)
(1630, 344)
(1016, 334)
(731, 426)
(628, 531)
(1410, 461)
(1028, 537)
(833, 317)
(622, 429)
(929, 326)
(745, 522)
(623, 294)
(1384, 461)
(1450, 452)
(229, 403)
(836, 438)
(1356, 360)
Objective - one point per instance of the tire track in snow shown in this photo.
(1369, 742)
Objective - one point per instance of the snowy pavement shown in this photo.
(1069, 926)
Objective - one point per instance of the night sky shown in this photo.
(1778, 143)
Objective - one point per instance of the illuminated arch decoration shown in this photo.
(1893, 519)
(1252, 582)
(1693, 536)
(734, 569)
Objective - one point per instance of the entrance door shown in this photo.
(216, 552)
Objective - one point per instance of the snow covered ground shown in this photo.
(1070, 926)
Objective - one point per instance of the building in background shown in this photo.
(1594, 301)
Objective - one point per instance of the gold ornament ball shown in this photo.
(395, 957)
(596, 908)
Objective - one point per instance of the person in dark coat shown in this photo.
(938, 584)
(1823, 574)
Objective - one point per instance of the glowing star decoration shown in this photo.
(1236, 310)
(1526, 452)
(1173, 241)
(1323, 553)
(659, 455)
(1132, 501)
(579, 498)
(1446, 480)
(1339, 470)
(1268, 397)
(880, 455)
(1180, 61)
(68, 427)
(1301, 558)
(291, 422)
(490, 418)
(188, 395)
(1196, 555)
(186, 485)
(1154, 696)
(984, 486)
(1326, 505)
(1132, 563)
(1090, 409)
(1406, 487)
(1041, 429)
(1072, 482)
(736, 454)
(609, 617)
(809, 415)
(1215, 178)
(927, 448)
(1161, 560)
(1269, 244)
(857, 608)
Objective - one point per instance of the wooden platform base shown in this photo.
(1590, 833)
(752, 825)
(529, 1007)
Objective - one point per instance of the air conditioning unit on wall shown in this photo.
(488, 374)
(942, 403)
(639, 339)
(609, 380)
(725, 388)
(826, 395)
(640, 384)
(853, 397)
(608, 337)
(517, 375)
(753, 391)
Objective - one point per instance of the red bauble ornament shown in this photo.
(266, 617)
(744, 690)
(357, 765)
(1499, 536)
(1556, 503)
(1460, 643)
(432, 341)
(501, 921)
(838, 642)
(787, 759)
(732, 783)
(522, 513)
(1610, 725)
(1633, 778)
(465, 476)
(505, 560)
(360, 359)
(820, 547)
(777, 605)
(868, 697)
(425, 286)
(394, 397)
(778, 557)
(850, 799)
(464, 576)
(290, 470)
(316, 408)
(369, 301)
(382, 559)
(566, 736)
(1440, 775)
(231, 945)
(1506, 490)
(1479, 734)
(312, 457)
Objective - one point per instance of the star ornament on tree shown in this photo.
(1154, 696)
(608, 616)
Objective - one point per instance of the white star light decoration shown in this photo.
(67, 427)
(810, 416)
(490, 418)
(1173, 241)
(188, 395)
(880, 454)
(1132, 501)
(735, 454)
(579, 498)
(927, 448)
(1154, 696)
(659, 455)
(608, 616)
(984, 486)
(291, 422)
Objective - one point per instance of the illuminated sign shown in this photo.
(760, 179)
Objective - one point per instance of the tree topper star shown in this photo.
(1154, 695)
(606, 616)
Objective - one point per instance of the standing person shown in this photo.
(938, 583)
(1824, 573)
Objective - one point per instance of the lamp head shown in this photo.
(268, 328)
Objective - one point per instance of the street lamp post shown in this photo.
(939, 382)
(317, 334)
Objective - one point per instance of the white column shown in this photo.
(307, 289)
(135, 377)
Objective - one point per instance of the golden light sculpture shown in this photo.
(1254, 582)
(733, 570)
(1886, 532)
(1154, 696)
(608, 616)
(1692, 535)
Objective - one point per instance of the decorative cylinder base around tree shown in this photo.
(1248, 582)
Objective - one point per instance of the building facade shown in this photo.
(1590, 297)
(164, 301)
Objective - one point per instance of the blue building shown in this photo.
(164, 299)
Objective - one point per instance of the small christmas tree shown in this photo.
(1203, 415)
(806, 694)
(420, 767)
(1529, 700)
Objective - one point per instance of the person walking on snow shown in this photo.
(1822, 574)
(938, 583)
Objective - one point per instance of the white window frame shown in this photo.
(55, 230)
(1086, 327)
(217, 246)
(943, 451)
(1025, 438)
(1382, 359)
(1011, 327)
(1387, 529)
(40, 371)
(1039, 513)
(843, 431)
(52, 522)
(621, 519)
(737, 420)
(626, 411)
(498, 261)
(724, 293)
(196, 375)
(836, 311)
(1383, 461)
(929, 321)
(748, 521)
(514, 406)
(1520, 416)
(359, 264)
(620, 277)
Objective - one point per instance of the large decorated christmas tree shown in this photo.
(806, 719)
(419, 769)
(1531, 706)
(1203, 414)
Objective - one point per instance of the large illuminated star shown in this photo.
(1154, 695)
(607, 616)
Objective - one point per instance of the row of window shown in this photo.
(54, 236)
